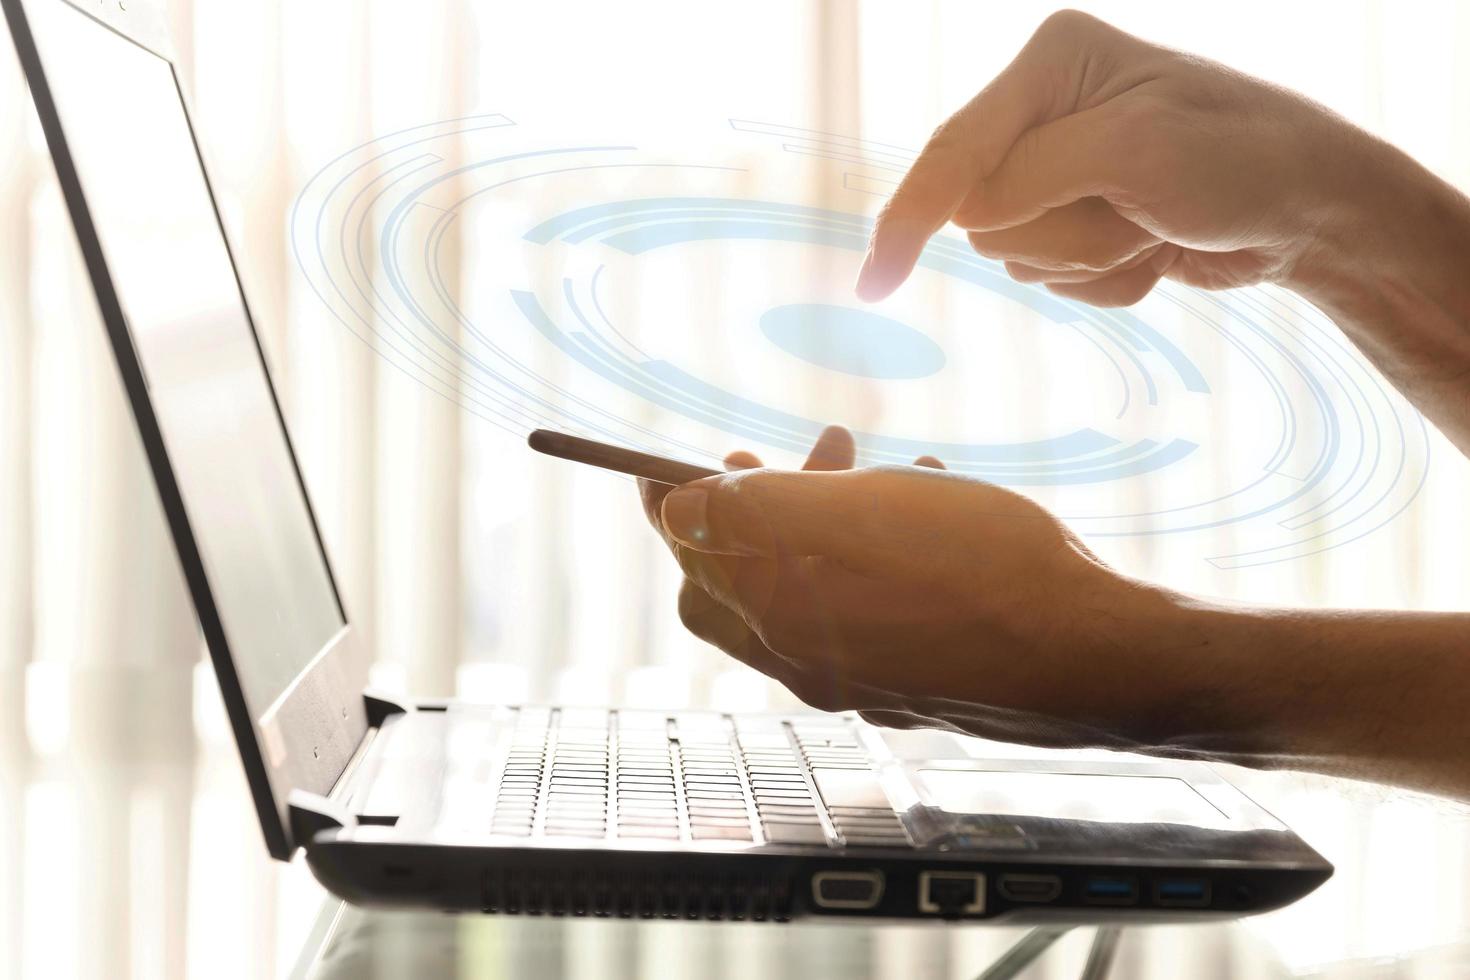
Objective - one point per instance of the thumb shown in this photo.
(856, 516)
(766, 512)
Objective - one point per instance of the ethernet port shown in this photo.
(951, 894)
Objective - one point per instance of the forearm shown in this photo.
(1375, 695)
(1392, 268)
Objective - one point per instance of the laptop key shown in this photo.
(718, 818)
(648, 819)
(851, 788)
(779, 809)
(720, 833)
(705, 823)
(794, 834)
(799, 820)
(576, 805)
(715, 794)
(652, 833)
(778, 796)
(872, 828)
(733, 802)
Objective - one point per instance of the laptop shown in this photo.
(442, 804)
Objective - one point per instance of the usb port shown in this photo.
(1182, 892)
(1030, 888)
(1110, 890)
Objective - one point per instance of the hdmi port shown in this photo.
(1030, 888)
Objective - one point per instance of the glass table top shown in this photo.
(350, 942)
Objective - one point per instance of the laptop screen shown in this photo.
(125, 124)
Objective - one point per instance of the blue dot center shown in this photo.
(852, 341)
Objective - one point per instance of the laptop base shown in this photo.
(698, 815)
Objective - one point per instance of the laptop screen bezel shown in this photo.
(313, 729)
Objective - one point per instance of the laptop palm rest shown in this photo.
(402, 777)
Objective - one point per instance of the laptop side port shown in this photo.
(1029, 887)
(1110, 890)
(1189, 893)
(851, 890)
(951, 893)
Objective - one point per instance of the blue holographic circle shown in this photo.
(852, 341)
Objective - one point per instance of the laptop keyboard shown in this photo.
(698, 777)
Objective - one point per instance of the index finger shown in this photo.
(969, 145)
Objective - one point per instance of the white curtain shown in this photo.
(127, 845)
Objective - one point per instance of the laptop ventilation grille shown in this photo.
(646, 896)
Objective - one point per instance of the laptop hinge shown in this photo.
(312, 814)
(380, 707)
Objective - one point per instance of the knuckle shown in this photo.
(1109, 294)
(883, 477)
(911, 199)
(953, 132)
(1133, 292)
(1026, 152)
(689, 613)
(945, 136)
(1136, 125)
(1134, 286)
(652, 501)
(691, 563)
(896, 204)
(1067, 24)
(948, 154)
(695, 606)
(823, 695)
(1097, 255)
(786, 634)
(1021, 272)
(989, 245)
(1148, 131)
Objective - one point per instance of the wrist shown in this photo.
(1371, 694)
(1181, 670)
(1246, 685)
(1386, 263)
(1197, 663)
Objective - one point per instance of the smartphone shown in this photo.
(646, 465)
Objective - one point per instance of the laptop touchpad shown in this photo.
(1069, 796)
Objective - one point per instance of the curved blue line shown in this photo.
(559, 225)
